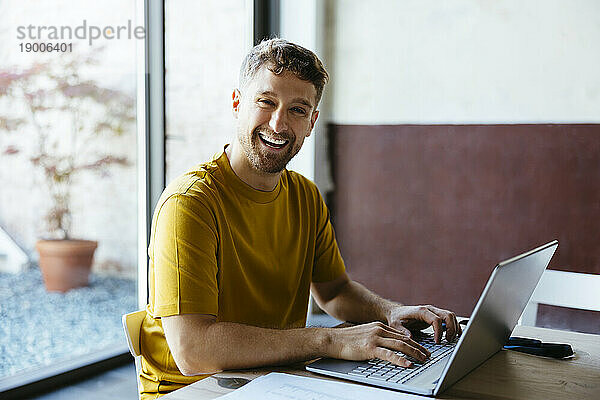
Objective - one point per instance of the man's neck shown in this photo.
(242, 168)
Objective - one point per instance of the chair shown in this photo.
(563, 289)
(132, 324)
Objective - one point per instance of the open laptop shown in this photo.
(502, 302)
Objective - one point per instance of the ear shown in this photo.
(313, 120)
(236, 98)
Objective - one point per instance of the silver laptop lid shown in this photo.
(502, 302)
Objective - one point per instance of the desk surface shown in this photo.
(506, 375)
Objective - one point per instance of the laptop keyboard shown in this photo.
(386, 371)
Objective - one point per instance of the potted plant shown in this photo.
(66, 114)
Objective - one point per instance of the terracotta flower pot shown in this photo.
(65, 264)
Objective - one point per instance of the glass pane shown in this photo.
(67, 171)
(201, 73)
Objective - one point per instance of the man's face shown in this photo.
(275, 114)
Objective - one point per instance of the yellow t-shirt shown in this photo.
(221, 247)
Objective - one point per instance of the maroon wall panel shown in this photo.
(423, 213)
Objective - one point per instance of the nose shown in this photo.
(278, 122)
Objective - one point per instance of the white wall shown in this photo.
(465, 61)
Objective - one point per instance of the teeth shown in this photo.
(272, 139)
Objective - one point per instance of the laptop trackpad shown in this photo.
(430, 377)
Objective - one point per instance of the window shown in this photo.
(204, 46)
(68, 170)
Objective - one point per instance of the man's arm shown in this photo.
(348, 300)
(201, 345)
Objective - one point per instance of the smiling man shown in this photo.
(239, 242)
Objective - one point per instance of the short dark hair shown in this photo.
(279, 55)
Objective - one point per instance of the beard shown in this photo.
(261, 158)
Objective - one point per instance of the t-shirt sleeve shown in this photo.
(328, 260)
(185, 258)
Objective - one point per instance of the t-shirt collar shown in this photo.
(258, 196)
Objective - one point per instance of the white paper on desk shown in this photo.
(278, 386)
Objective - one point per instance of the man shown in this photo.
(238, 242)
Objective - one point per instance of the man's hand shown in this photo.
(412, 318)
(201, 345)
(374, 340)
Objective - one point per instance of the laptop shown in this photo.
(502, 302)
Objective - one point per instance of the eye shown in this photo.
(266, 102)
(299, 110)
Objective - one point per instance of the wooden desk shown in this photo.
(507, 375)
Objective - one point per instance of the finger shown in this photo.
(401, 329)
(458, 328)
(449, 318)
(389, 355)
(404, 347)
(451, 324)
(435, 321)
(396, 329)
(389, 332)
(457, 325)
(419, 347)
